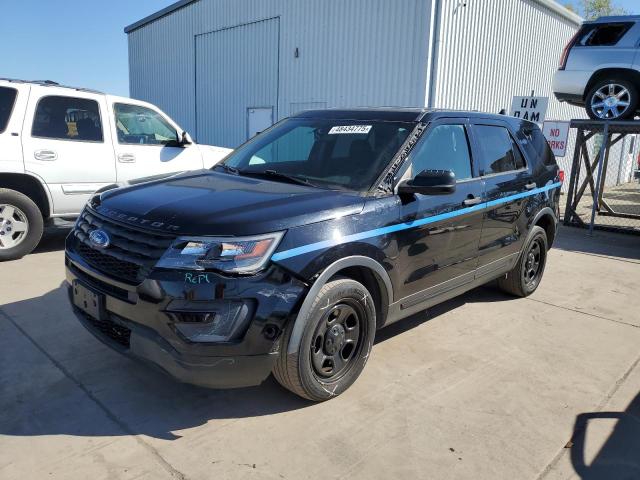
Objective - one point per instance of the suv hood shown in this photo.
(213, 203)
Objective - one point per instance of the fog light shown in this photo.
(209, 322)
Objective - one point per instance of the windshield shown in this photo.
(342, 154)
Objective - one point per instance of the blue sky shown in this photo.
(632, 6)
(79, 43)
(82, 42)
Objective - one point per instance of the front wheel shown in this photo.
(335, 345)
(21, 225)
(525, 277)
(612, 99)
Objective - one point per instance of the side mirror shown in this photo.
(185, 139)
(430, 182)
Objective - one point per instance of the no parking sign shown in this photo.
(556, 134)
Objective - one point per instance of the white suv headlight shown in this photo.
(227, 254)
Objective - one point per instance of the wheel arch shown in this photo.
(362, 269)
(618, 73)
(546, 219)
(31, 187)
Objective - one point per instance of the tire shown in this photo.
(21, 225)
(618, 88)
(519, 281)
(330, 328)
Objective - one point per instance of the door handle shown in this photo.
(45, 155)
(469, 202)
(126, 158)
(530, 186)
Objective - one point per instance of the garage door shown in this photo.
(236, 72)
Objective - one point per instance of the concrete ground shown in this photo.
(623, 199)
(481, 387)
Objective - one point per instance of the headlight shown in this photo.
(227, 254)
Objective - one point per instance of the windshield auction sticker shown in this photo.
(350, 129)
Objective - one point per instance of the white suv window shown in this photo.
(138, 125)
(7, 99)
(67, 118)
(603, 35)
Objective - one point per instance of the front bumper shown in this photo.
(138, 321)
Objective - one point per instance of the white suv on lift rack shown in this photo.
(58, 145)
(600, 68)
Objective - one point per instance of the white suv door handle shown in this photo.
(126, 158)
(45, 155)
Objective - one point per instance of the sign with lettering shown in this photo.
(530, 108)
(556, 134)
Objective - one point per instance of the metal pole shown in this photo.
(605, 146)
(623, 155)
(574, 175)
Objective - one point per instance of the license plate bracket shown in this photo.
(90, 302)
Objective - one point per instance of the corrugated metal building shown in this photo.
(225, 69)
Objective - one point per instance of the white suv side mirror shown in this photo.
(186, 139)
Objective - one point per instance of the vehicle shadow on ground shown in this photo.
(52, 239)
(619, 455)
(609, 244)
(485, 294)
(57, 379)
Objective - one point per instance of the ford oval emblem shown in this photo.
(99, 239)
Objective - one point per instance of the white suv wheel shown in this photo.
(14, 226)
(21, 224)
(610, 101)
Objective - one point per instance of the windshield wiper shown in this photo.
(280, 175)
(228, 168)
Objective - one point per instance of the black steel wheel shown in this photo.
(525, 277)
(338, 340)
(333, 349)
(534, 263)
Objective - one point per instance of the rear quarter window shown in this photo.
(534, 141)
(7, 99)
(603, 35)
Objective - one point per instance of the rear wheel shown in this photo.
(525, 277)
(21, 225)
(335, 345)
(612, 99)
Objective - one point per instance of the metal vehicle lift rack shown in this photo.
(612, 132)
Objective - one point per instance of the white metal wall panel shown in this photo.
(236, 69)
(161, 66)
(489, 51)
(350, 52)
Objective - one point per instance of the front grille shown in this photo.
(116, 332)
(98, 284)
(131, 254)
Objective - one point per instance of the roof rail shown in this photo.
(50, 83)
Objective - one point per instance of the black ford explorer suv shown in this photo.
(288, 256)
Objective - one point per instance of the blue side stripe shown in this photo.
(293, 252)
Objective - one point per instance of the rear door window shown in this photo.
(603, 35)
(67, 118)
(7, 99)
(499, 152)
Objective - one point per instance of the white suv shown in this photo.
(600, 68)
(58, 145)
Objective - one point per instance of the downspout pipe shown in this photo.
(432, 60)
